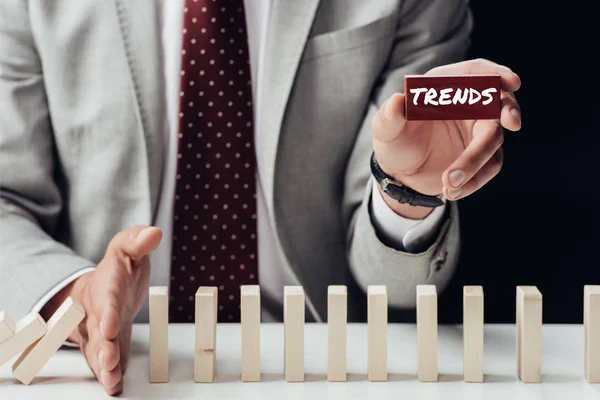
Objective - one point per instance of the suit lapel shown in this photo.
(288, 29)
(289, 26)
(139, 27)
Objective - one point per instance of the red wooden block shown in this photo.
(452, 97)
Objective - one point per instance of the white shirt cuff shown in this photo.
(60, 286)
(404, 233)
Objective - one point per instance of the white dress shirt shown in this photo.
(274, 271)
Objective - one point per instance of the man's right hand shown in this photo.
(111, 295)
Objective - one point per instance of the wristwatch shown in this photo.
(401, 193)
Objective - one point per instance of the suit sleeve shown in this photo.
(429, 33)
(32, 262)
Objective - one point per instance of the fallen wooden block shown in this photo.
(61, 324)
(7, 326)
(473, 333)
(591, 322)
(205, 346)
(337, 316)
(427, 327)
(159, 334)
(377, 322)
(27, 331)
(452, 97)
(529, 334)
(250, 323)
(293, 338)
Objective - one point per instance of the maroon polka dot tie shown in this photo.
(214, 227)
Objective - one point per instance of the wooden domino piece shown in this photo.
(337, 316)
(591, 322)
(61, 324)
(159, 334)
(427, 328)
(7, 326)
(204, 366)
(452, 97)
(205, 348)
(529, 334)
(250, 321)
(473, 333)
(27, 331)
(293, 338)
(377, 323)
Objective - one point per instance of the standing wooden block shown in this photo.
(206, 334)
(293, 339)
(473, 333)
(452, 97)
(250, 320)
(377, 322)
(427, 327)
(591, 320)
(159, 334)
(27, 330)
(204, 366)
(529, 334)
(60, 326)
(7, 326)
(337, 317)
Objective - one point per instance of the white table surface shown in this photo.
(66, 376)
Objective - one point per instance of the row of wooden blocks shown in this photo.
(528, 322)
(35, 339)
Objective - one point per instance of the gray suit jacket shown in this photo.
(80, 137)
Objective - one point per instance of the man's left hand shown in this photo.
(453, 158)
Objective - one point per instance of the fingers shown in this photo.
(509, 80)
(487, 139)
(112, 380)
(389, 120)
(482, 177)
(103, 357)
(510, 116)
(109, 354)
(136, 242)
(110, 375)
(111, 306)
(400, 146)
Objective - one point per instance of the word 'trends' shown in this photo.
(467, 96)
(455, 97)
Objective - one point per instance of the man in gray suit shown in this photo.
(242, 131)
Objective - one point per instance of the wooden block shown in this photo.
(27, 331)
(206, 317)
(337, 317)
(61, 324)
(205, 345)
(473, 333)
(529, 334)
(204, 366)
(377, 322)
(293, 338)
(250, 320)
(7, 326)
(427, 327)
(452, 97)
(159, 334)
(591, 322)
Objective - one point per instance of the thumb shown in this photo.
(137, 242)
(387, 124)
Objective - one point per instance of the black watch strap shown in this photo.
(401, 193)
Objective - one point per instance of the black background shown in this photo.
(535, 223)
